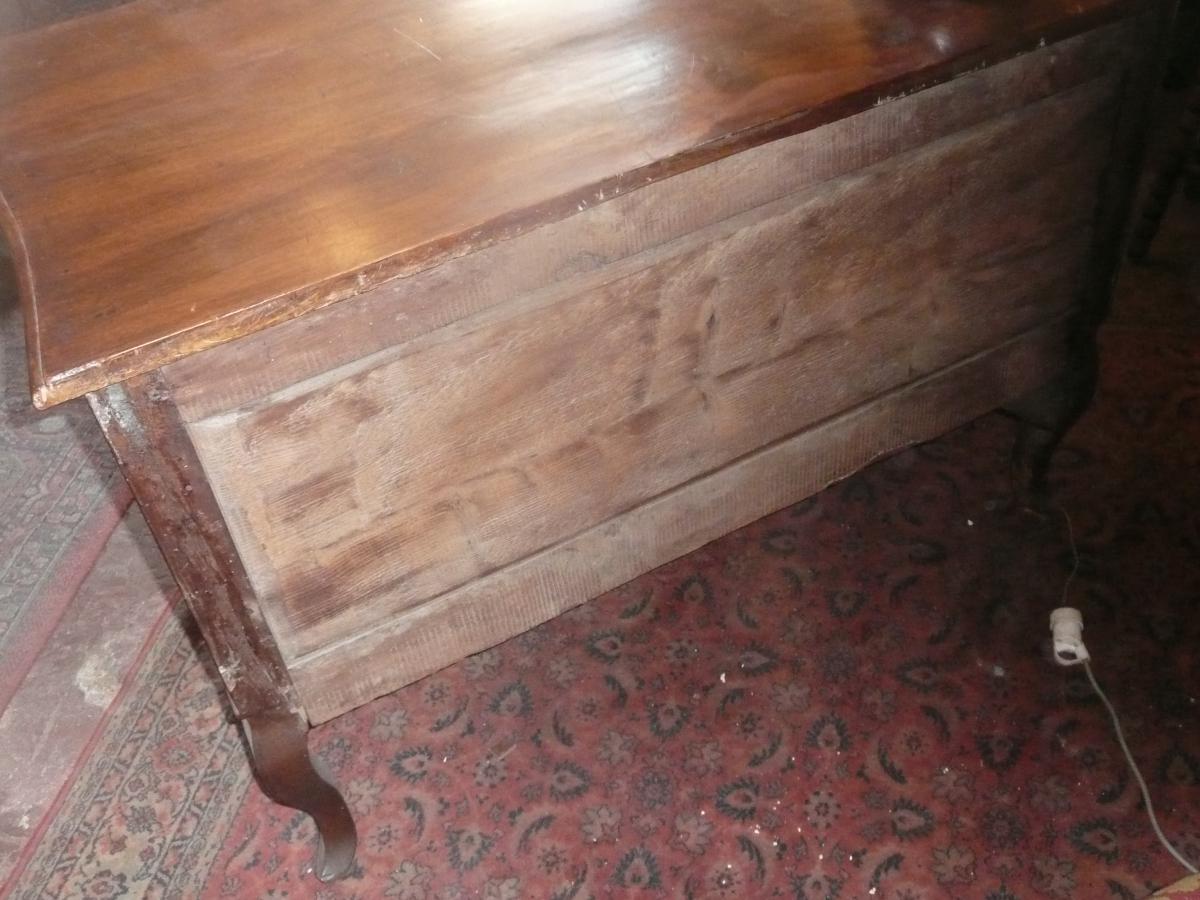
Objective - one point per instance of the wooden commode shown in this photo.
(414, 324)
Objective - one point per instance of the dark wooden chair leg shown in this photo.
(290, 776)
(1046, 415)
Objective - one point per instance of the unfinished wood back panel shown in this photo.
(609, 228)
(399, 650)
(358, 495)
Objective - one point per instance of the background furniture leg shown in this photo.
(289, 775)
(1185, 146)
(1048, 412)
(1046, 415)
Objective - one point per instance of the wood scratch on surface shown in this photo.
(413, 40)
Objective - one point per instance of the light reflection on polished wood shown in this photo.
(250, 161)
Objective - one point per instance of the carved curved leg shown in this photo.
(288, 775)
(1046, 415)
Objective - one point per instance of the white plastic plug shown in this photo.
(1066, 624)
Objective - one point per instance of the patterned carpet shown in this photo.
(852, 698)
(60, 498)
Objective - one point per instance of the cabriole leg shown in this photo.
(289, 775)
(147, 434)
(1046, 415)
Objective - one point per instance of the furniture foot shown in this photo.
(1046, 415)
(290, 776)
(1031, 457)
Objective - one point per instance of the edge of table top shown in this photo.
(80, 341)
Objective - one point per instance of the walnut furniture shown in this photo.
(414, 324)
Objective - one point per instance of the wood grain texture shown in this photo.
(358, 495)
(505, 603)
(254, 161)
(577, 250)
(158, 461)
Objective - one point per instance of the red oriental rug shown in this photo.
(852, 698)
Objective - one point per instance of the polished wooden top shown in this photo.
(179, 173)
(25, 15)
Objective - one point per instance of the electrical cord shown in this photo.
(1112, 713)
(1074, 552)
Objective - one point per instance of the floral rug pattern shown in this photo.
(148, 812)
(852, 698)
(849, 699)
